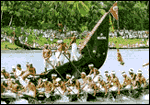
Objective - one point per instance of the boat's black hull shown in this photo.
(100, 46)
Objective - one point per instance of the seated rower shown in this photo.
(140, 80)
(30, 88)
(126, 82)
(93, 70)
(59, 87)
(54, 82)
(108, 78)
(132, 76)
(30, 71)
(48, 88)
(91, 85)
(41, 87)
(101, 85)
(47, 53)
(114, 85)
(18, 72)
(84, 78)
(68, 82)
(4, 73)
(59, 56)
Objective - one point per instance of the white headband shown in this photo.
(54, 75)
(139, 71)
(45, 79)
(58, 79)
(106, 72)
(3, 68)
(113, 72)
(68, 75)
(13, 67)
(91, 65)
(83, 73)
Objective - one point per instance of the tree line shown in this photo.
(75, 15)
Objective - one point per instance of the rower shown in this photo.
(132, 76)
(68, 77)
(74, 48)
(85, 80)
(120, 57)
(30, 71)
(91, 85)
(47, 53)
(4, 73)
(93, 70)
(48, 88)
(58, 88)
(108, 77)
(59, 57)
(140, 79)
(18, 70)
(30, 88)
(54, 80)
(127, 81)
(114, 85)
(101, 85)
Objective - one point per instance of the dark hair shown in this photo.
(18, 65)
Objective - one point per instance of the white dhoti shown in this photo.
(58, 91)
(22, 82)
(41, 89)
(128, 87)
(47, 94)
(30, 93)
(47, 63)
(114, 88)
(74, 52)
(73, 90)
(61, 57)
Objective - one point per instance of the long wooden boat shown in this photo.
(93, 50)
(17, 42)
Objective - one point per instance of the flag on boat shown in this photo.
(114, 10)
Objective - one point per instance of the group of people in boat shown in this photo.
(61, 53)
(21, 82)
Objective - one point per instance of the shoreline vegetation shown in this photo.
(114, 43)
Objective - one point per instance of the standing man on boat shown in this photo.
(59, 52)
(47, 53)
(74, 48)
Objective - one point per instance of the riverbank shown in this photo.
(113, 44)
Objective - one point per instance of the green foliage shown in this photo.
(74, 14)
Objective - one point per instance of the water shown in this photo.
(133, 58)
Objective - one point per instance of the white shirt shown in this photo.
(18, 72)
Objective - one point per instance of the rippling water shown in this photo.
(133, 58)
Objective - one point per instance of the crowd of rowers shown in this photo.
(20, 82)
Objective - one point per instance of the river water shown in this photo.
(133, 58)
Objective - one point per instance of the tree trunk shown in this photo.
(10, 20)
(25, 23)
(1, 15)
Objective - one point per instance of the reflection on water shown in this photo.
(133, 58)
